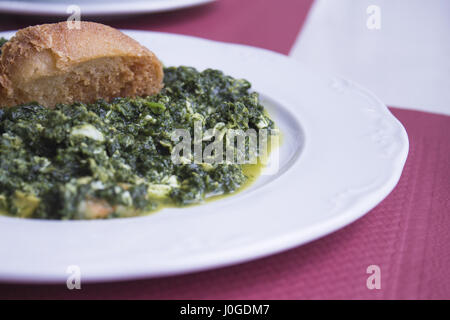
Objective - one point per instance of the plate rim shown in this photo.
(92, 9)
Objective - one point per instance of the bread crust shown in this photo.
(53, 64)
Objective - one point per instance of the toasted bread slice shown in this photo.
(53, 64)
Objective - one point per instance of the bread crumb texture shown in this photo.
(52, 64)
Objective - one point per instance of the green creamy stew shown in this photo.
(2, 42)
(106, 160)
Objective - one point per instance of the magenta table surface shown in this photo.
(407, 235)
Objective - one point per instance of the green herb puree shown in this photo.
(106, 160)
(2, 42)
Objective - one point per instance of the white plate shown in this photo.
(343, 152)
(95, 7)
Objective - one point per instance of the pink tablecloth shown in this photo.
(407, 235)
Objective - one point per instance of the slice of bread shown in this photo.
(53, 64)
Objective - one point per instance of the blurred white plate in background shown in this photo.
(94, 7)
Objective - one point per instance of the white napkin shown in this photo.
(406, 62)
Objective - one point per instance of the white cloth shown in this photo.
(406, 62)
